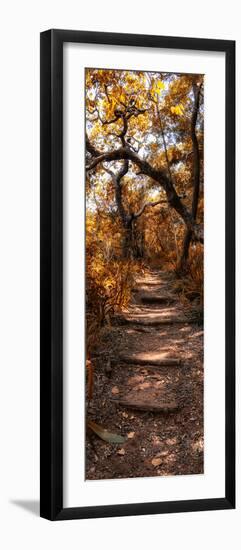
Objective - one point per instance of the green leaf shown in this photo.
(104, 434)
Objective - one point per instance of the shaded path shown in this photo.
(149, 387)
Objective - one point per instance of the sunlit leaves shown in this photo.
(157, 87)
(177, 109)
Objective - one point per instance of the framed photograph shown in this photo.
(137, 274)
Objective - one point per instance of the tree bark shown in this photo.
(130, 246)
(196, 177)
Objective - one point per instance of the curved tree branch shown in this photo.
(159, 175)
(147, 205)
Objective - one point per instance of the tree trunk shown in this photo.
(131, 245)
(196, 177)
(127, 240)
(185, 250)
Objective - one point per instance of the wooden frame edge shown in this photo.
(51, 181)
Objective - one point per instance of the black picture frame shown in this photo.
(51, 324)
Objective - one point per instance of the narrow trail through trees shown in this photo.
(149, 387)
(153, 306)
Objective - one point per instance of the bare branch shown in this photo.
(147, 205)
(104, 122)
(107, 93)
(90, 148)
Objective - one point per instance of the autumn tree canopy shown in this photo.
(153, 123)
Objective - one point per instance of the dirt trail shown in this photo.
(149, 388)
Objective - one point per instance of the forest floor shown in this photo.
(148, 387)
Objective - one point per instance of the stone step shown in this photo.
(146, 405)
(146, 291)
(150, 322)
(156, 299)
(140, 283)
(150, 358)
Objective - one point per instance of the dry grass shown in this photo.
(108, 290)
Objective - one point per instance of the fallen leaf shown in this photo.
(121, 452)
(104, 434)
(171, 441)
(115, 390)
(135, 379)
(130, 435)
(156, 441)
(144, 385)
(156, 461)
(163, 453)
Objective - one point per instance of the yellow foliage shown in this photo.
(109, 277)
(158, 87)
(177, 109)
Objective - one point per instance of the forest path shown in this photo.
(151, 345)
(149, 387)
